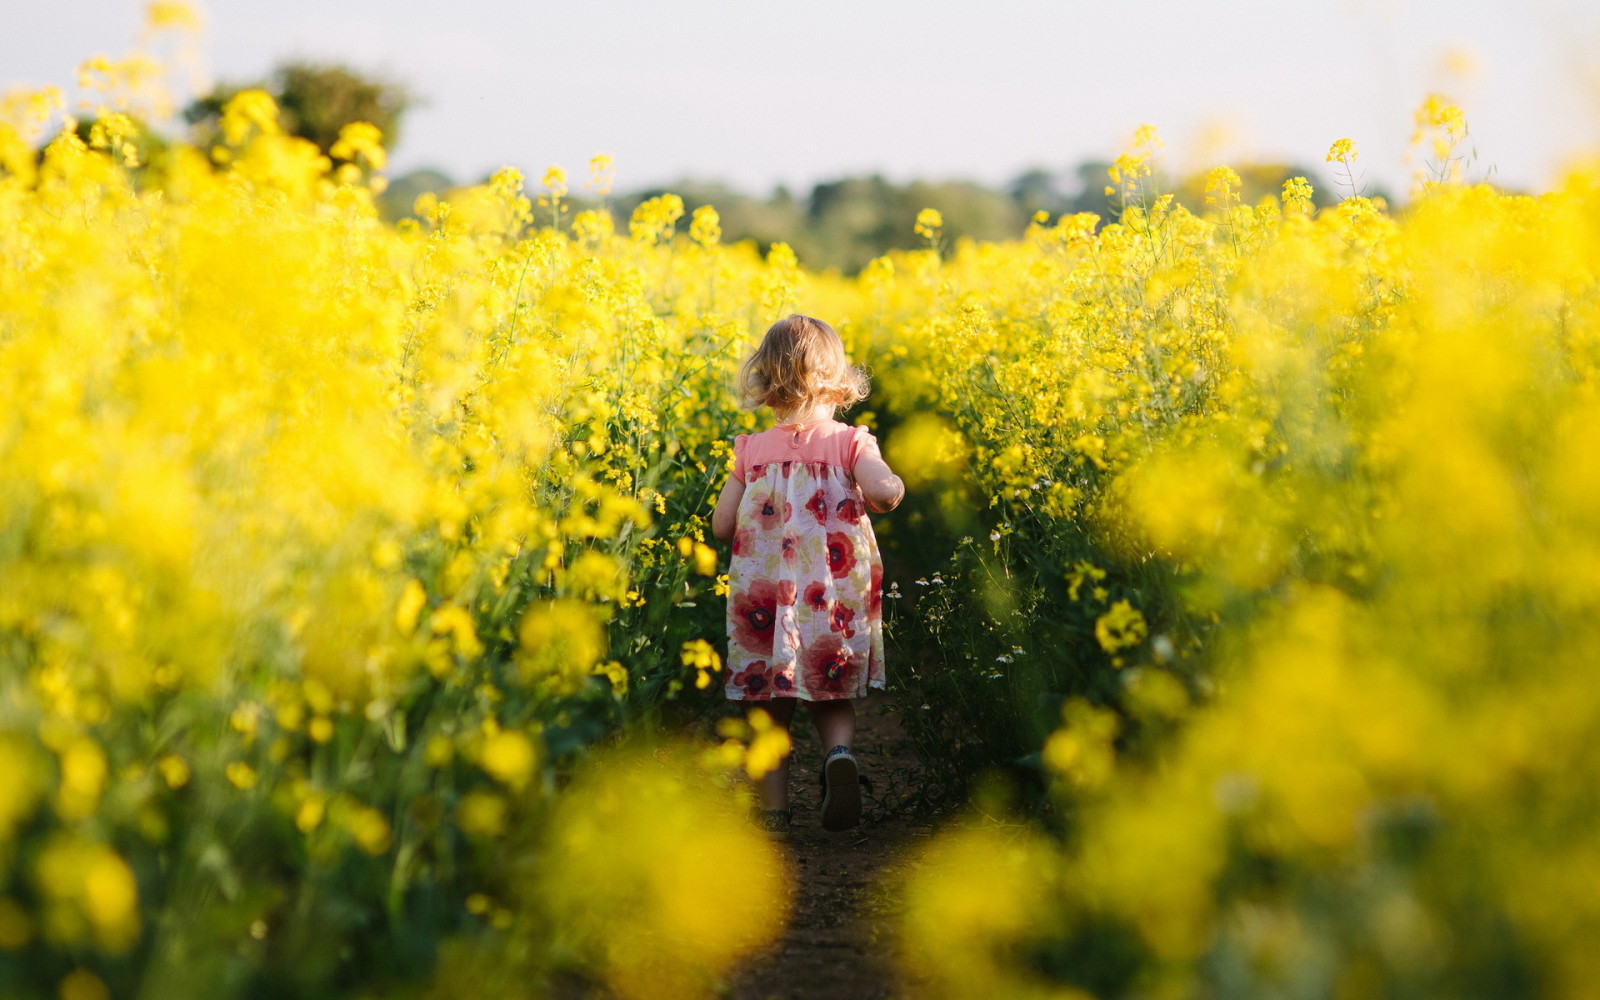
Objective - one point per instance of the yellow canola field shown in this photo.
(329, 547)
(331, 551)
(1320, 492)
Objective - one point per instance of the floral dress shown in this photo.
(805, 583)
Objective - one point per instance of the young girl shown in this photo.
(805, 582)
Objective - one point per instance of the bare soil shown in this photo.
(839, 942)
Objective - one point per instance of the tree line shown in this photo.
(841, 223)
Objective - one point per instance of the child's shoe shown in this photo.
(773, 822)
(841, 790)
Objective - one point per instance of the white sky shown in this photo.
(755, 93)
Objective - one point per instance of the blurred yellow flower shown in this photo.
(1120, 627)
(509, 757)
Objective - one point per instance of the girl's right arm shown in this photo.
(726, 515)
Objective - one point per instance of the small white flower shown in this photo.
(922, 582)
(994, 536)
(1002, 658)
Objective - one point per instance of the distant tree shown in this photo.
(316, 101)
(1037, 190)
(1069, 192)
(397, 199)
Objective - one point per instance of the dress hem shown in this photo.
(871, 687)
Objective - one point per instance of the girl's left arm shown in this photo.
(726, 515)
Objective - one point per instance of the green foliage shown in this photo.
(316, 100)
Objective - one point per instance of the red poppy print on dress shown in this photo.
(754, 613)
(818, 506)
(742, 539)
(841, 554)
(817, 596)
(769, 511)
(785, 593)
(839, 620)
(829, 665)
(849, 510)
(754, 678)
(875, 594)
(790, 544)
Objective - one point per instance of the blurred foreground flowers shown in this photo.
(1344, 466)
(328, 548)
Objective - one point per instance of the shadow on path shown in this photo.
(839, 943)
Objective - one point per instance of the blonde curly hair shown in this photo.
(801, 363)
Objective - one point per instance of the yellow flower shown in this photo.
(602, 173)
(369, 829)
(1297, 195)
(309, 816)
(560, 640)
(509, 757)
(481, 814)
(361, 139)
(769, 745)
(702, 656)
(242, 775)
(1342, 151)
(172, 14)
(84, 773)
(1120, 627)
(929, 223)
(705, 227)
(555, 181)
(1222, 186)
(174, 770)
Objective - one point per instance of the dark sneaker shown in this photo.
(841, 790)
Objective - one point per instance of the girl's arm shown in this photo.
(883, 489)
(726, 515)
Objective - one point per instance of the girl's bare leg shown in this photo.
(773, 788)
(836, 722)
(841, 799)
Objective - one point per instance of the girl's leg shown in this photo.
(773, 788)
(841, 798)
(836, 722)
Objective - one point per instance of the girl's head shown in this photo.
(800, 365)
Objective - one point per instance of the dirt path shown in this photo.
(839, 943)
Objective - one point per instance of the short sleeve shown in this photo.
(738, 456)
(862, 445)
